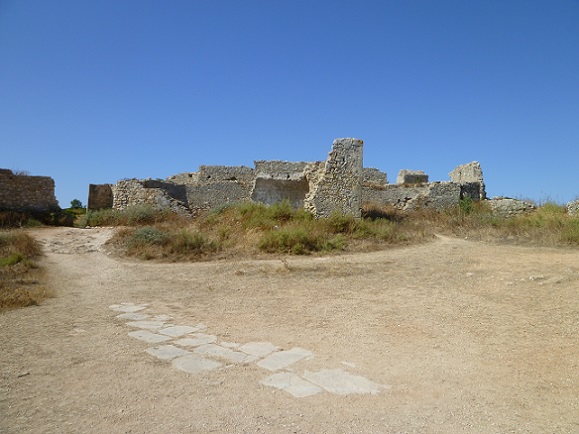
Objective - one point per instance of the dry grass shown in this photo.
(254, 230)
(20, 277)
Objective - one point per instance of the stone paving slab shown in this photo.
(292, 384)
(147, 336)
(127, 307)
(194, 364)
(167, 352)
(258, 349)
(147, 324)
(197, 340)
(213, 350)
(178, 331)
(283, 359)
(341, 382)
(133, 316)
(336, 381)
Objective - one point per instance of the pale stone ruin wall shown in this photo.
(470, 177)
(340, 184)
(339, 187)
(26, 193)
(281, 180)
(573, 208)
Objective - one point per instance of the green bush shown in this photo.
(150, 235)
(12, 259)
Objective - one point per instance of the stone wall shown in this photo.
(26, 193)
(410, 197)
(131, 192)
(281, 180)
(100, 196)
(507, 207)
(470, 176)
(573, 208)
(339, 185)
(406, 176)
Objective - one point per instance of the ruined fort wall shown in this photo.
(100, 196)
(339, 185)
(26, 193)
(410, 197)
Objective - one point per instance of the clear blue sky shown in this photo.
(97, 91)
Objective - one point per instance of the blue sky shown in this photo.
(97, 91)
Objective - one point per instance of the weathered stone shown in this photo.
(573, 208)
(100, 196)
(26, 193)
(507, 207)
(470, 177)
(339, 188)
(406, 176)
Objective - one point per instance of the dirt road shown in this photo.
(452, 336)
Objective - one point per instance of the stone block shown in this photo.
(406, 176)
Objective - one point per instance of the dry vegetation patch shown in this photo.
(20, 277)
(249, 229)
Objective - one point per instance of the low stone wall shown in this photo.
(131, 192)
(507, 207)
(435, 195)
(26, 193)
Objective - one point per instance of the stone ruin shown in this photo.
(20, 192)
(339, 184)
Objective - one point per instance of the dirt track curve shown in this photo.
(449, 337)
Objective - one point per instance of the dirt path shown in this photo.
(453, 336)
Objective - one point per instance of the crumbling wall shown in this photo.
(204, 197)
(133, 192)
(573, 208)
(100, 196)
(339, 186)
(470, 177)
(406, 176)
(26, 193)
(410, 197)
(276, 181)
(508, 207)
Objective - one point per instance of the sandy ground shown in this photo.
(465, 337)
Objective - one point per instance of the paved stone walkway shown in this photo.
(192, 350)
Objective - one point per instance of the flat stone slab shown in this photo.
(147, 324)
(167, 352)
(283, 359)
(133, 316)
(258, 349)
(147, 336)
(196, 340)
(162, 317)
(342, 383)
(193, 364)
(292, 384)
(127, 307)
(178, 331)
(213, 350)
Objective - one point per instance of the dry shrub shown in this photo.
(19, 274)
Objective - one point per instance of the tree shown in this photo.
(76, 204)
